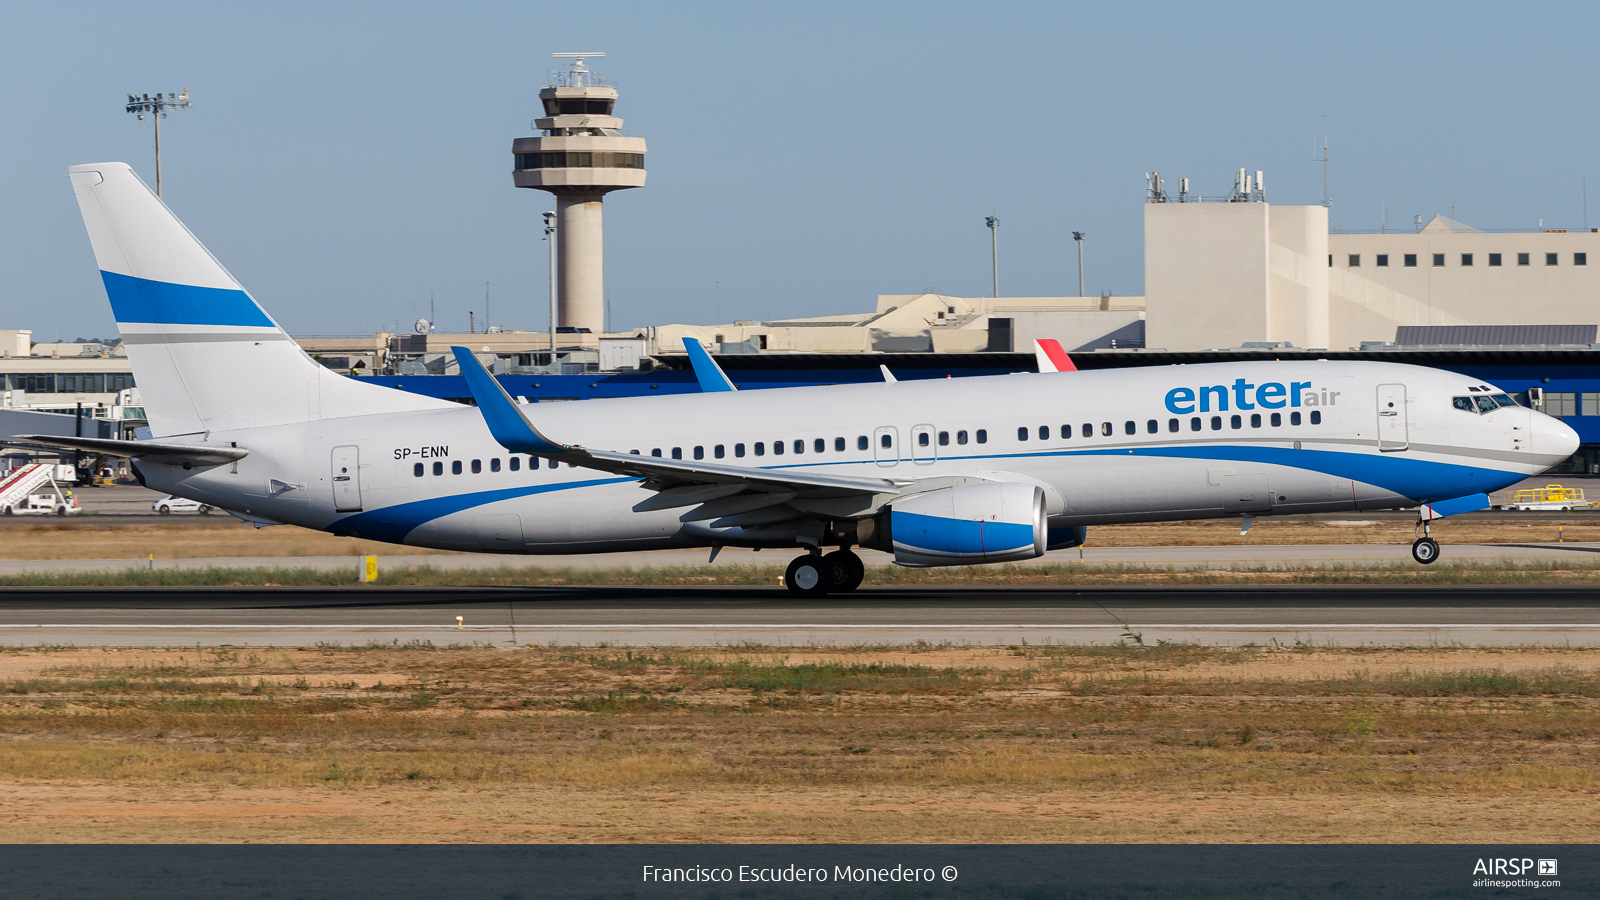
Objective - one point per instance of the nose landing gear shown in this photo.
(1425, 549)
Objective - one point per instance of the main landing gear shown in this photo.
(1425, 549)
(813, 575)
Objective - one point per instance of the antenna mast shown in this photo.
(1326, 200)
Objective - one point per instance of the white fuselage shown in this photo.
(1106, 446)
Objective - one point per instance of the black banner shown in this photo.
(1190, 872)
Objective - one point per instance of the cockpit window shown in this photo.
(1486, 404)
(1464, 404)
(1504, 400)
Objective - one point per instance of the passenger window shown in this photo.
(719, 451)
(1464, 404)
(1194, 424)
(455, 467)
(944, 438)
(656, 452)
(1255, 420)
(1066, 432)
(819, 445)
(477, 466)
(982, 435)
(1088, 430)
(417, 470)
(1294, 418)
(1172, 424)
(961, 437)
(777, 448)
(1152, 426)
(861, 442)
(1044, 432)
(1316, 417)
(1105, 428)
(516, 462)
(838, 445)
(1216, 423)
(677, 453)
(438, 468)
(922, 439)
(738, 450)
(1236, 421)
(699, 452)
(799, 446)
(761, 448)
(1277, 419)
(533, 462)
(494, 464)
(1022, 433)
(1129, 428)
(885, 440)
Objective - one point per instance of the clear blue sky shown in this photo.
(345, 159)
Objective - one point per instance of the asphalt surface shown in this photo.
(590, 616)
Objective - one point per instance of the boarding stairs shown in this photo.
(23, 483)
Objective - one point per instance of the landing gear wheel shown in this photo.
(1425, 550)
(844, 571)
(806, 576)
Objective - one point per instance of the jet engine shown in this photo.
(964, 525)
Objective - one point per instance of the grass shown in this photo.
(860, 744)
(1388, 573)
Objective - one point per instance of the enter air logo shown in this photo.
(1244, 395)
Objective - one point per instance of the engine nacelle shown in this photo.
(968, 524)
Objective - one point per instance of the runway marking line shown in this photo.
(702, 627)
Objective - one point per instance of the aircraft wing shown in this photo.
(172, 454)
(684, 481)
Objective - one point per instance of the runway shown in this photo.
(590, 616)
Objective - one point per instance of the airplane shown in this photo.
(936, 472)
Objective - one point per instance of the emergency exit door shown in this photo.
(346, 479)
(1393, 430)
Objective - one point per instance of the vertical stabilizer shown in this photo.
(205, 355)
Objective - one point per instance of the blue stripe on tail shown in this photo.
(164, 303)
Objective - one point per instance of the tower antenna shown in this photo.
(1326, 199)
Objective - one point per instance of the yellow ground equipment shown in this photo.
(1551, 496)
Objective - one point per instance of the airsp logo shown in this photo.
(1501, 866)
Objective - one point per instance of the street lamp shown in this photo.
(156, 107)
(550, 235)
(994, 249)
(1078, 236)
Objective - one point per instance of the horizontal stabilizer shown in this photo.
(706, 371)
(171, 454)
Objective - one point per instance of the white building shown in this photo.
(1227, 271)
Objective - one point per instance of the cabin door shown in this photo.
(1393, 430)
(346, 479)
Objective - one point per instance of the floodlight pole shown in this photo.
(994, 250)
(156, 107)
(550, 235)
(1078, 236)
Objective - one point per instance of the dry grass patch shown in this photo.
(884, 744)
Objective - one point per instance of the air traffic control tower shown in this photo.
(581, 156)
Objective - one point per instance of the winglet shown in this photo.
(706, 371)
(506, 421)
(1051, 357)
(888, 376)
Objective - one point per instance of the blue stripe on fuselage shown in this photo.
(393, 523)
(165, 303)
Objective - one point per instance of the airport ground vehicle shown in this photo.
(1551, 496)
(938, 472)
(34, 490)
(172, 503)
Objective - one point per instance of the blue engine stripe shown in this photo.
(959, 537)
(164, 303)
(393, 523)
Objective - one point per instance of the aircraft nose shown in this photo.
(1553, 438)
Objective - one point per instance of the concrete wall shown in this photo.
(1206, 274)
(1367, 301)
